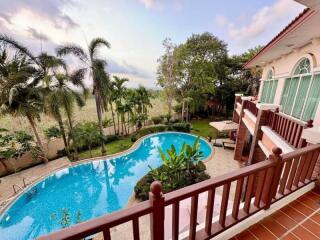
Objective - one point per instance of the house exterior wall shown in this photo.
(284, 66)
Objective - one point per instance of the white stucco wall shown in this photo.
(284, 66)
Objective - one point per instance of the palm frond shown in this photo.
(73, 49)
(77, 77)
(95, 44)
(6, 40)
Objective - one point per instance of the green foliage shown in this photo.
(107, 122)
(180, 127)
(201, 69)
(13, 145)
(179, 169)
(52, 132)
(157, 119)
(152, 129)
(86, 134)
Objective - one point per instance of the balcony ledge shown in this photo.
(277, 140)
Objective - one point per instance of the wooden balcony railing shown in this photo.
(288, 128)
(268, 181)
(251, 106)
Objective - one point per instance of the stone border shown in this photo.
(101, 158)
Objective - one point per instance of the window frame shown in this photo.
(300, 76)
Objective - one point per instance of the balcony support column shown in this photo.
(256, 153)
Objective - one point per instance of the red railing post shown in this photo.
(157, 216)
(273, 176)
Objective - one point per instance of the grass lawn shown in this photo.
(113, 147)
(203, 129)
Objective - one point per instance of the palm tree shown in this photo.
(112, 99)
(99, 76)
(62, 96)
(119, 93)
(143, 100)
(18, 95)
(19, 78)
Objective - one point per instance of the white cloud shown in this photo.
(149, 3)
(221, 20)
(161, 4)
(266, 19)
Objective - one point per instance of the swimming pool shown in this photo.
(87, 190)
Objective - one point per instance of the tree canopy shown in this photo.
(201, 69)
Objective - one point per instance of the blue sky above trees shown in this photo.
(136, 28)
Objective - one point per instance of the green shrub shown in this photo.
(107, 122)
(13, 145)
(152, 129)
(178, 170)
(133, 138)
(181, 127)
(157, 119)
(52, 132)
(142, 187)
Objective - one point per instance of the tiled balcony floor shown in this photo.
(298, 220)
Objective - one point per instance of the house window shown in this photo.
(269, 89)
(300, 96)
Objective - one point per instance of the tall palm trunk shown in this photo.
(118, 117)
(72, 135)
(64, 137)
(114, 123)
(36, 134)
(99, 114)
(63, 132)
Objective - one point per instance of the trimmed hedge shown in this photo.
(197, 175)
(181, 127)
(157, 119)
(152, 129)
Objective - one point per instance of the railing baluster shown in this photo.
(209, 214)
(301, 164)
(106, 234)
(175, 220)
(298, 135)
(135, 228)
(292, 173)
(285, 175)
(248, 196)
(294, 132)
(260, 185)
(193, 217)
(237, 199)
(224, 204)
(306, 167)
(312, 165)
(289, 130)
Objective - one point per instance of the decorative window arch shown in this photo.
(300, 96)
(303, 67)
(269, 87)
(270, 74)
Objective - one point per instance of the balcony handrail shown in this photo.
(268, 181)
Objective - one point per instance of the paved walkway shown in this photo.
(30, 175)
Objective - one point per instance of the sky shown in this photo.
(136, 28)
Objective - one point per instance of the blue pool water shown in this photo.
(86, 191)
